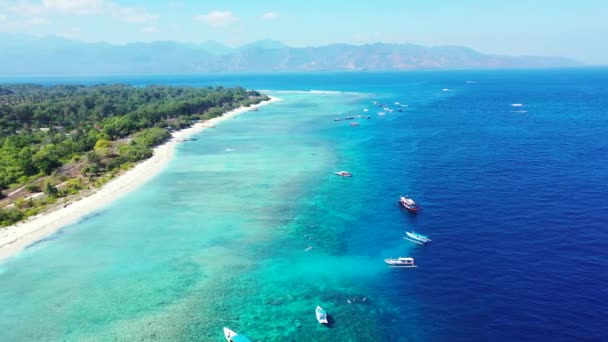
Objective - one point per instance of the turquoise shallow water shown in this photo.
(514, 199)
(217, 239)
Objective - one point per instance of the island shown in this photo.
(60, 143)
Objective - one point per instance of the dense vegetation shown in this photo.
(58, 140)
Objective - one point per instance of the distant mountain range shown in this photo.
(26, 55)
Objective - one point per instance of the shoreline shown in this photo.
(15, 238)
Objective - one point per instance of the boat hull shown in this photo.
(408, 204)
(419, 239)
(399, 266)
(342, 174)
(321, 315)
(405, 263)
(413, 210)
(229, 334)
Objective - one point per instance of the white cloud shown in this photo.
(270, 15)
(84, 7)
(75, 6)
(217, 18)
(27, 9)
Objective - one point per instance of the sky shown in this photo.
(568, 28)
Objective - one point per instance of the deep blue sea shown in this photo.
(510, 169)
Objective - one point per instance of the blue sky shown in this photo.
(576, 29)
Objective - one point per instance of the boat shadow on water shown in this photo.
(330, 322)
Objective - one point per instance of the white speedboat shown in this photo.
(231, 336)
(321, 315)
(400, 262)
(343, 173)
(417, 238)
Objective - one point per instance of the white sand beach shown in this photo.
(16, 237)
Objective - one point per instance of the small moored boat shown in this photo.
(354, 124)
(400, 262)
(321, 315)
(231, 336)
(409, 204)
(343, 173)
(417, 238)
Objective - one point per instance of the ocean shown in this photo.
(248, 227)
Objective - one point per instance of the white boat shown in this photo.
(417, 238)
(409, 204)
(232, 336)
(321, 315)
(517, 105)
(365, 110)
(343, 173)
(400, 262)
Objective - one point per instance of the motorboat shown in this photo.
(343, 173)
(409, 204)
(417, 238)
(401, 262)
(232, 336)
(349, 118)
(321, 315)
(338, 119)
(354, 124)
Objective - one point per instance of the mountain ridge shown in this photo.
(27, 55)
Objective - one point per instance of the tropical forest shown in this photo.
(59, 141)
